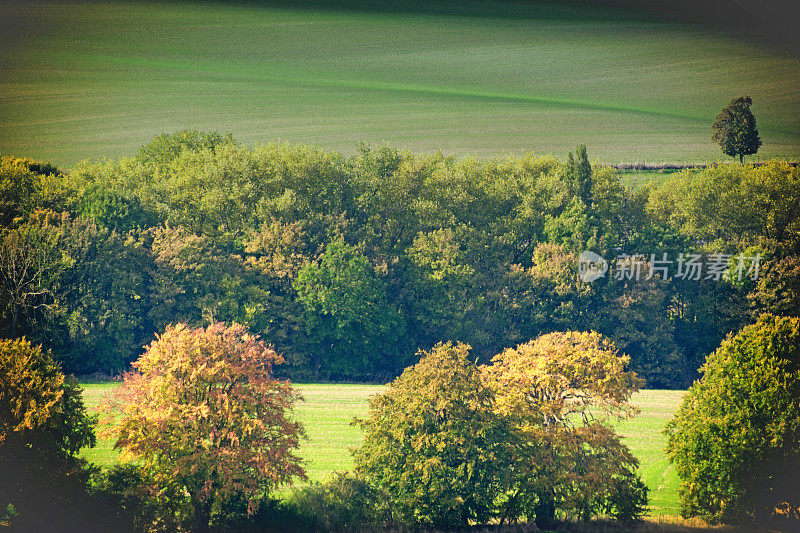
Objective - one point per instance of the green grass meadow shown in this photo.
(97, 80)
(327, 410)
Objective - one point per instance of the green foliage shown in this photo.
(350, 324)
(578, 174)
(79, 290)
(433, 444)
(735, 129)
(479, 250)
(27, 186)
(548, 296)
(343, 503)
(108, 209)
(637, 317)
(30, 271)
(778, 288)
(734, 440)
(204, 417)
(168, 146)
(732, 207)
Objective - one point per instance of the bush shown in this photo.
(434, 445)
(734, 440)
(345, 502)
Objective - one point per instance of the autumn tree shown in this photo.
(562, 390)
(735, 129)
(734, 439)
(43, 426)
(434, 445)
(203, 415)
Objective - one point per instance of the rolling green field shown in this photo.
(328, 409)
(96, 80)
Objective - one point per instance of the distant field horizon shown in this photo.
(97, 80)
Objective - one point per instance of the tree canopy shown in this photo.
(735, 440)
(204, 416)
(735, 129)
(198, 228)
(433, 443)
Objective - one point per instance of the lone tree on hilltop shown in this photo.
(735, 129)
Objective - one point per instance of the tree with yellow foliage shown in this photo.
(562, 390)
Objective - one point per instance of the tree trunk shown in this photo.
(741, 159)
(202, 516)
(545, 511)
(14, 320)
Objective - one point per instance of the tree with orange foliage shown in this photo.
(204, 416)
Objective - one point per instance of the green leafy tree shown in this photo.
(109, 209)
(27, 186)
(204, 416)
(30, 270)
(735, 440)
(636, 316)
(441, 284)
(778, 288)
(546, 297)
(168, 146)
(102, 299)
(434, 445)
(735, 129)
(562, 390)
(351, 326)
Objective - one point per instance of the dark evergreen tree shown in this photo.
(583, 174)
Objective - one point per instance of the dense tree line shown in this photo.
(349, 264)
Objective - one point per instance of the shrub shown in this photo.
(735, 440)
(344, 502)
(434, 445)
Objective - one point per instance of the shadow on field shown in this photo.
(770, 21)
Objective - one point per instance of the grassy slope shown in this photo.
(328, 410)
(98, 80)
